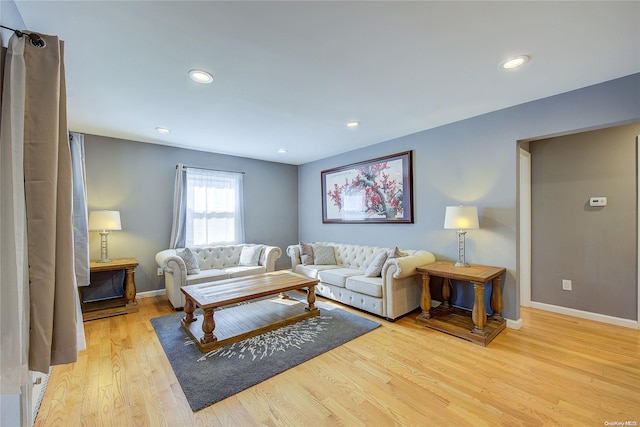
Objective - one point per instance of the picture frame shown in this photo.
(373, 191)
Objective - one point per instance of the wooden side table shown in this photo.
(113, 306)
(472, 326)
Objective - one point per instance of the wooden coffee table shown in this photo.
(246, 320)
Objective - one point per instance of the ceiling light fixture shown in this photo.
(200, 76)
(282, 150)
(353, 124)
(515, 62)
(162, 130)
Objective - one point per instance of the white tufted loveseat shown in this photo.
(215, 263)
(395, 293)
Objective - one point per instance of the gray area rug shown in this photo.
(208, 378)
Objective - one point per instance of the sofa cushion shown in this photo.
(250, 255)
(396, 253)
(337, 276)
(313, 270)
(207, 276)
(365, 285)
(324, 255)
(242, 271)
(190, 261)
(375, 268)
(306, 253)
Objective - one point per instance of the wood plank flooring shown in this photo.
(555, 370)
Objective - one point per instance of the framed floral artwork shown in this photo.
(373, 191)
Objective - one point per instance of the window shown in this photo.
(213, 207)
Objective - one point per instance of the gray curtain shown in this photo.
(80, 225)
(37, 126)
(178, 224)
(80, 215)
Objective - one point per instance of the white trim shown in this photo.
(627, 323)
(514, 324)
(525, 228)
(638, 231)
(150, 294)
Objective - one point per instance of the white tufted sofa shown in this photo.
(215, 263)
(394, 294)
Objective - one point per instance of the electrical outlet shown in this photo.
(566, 285)
(159, 272)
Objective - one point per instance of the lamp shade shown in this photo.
(104, 220)
(461, 217)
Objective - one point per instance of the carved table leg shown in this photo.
(479, 314)
(311, 298)
(189, 308)
(496, 300)
(425, 298)
(130, 285)
(446, 292)
(208, 325)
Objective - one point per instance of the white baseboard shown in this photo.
(150, 294)
(514, 324)
(627, 323)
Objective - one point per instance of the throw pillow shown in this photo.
(250, 255)
(396, 253)
(324, 255)
(190, 261)
(306, 253)
(375, 268)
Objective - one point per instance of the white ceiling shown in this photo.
(291, 74)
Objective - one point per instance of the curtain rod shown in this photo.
(208, 169)
(35, 38)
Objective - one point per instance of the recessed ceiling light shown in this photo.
(515, 62)
(282, 150)
(200, 76)
(163, 130)
(353, 124)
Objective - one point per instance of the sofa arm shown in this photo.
(269, 257)
(406, 266)
(294, 253)
(172, 264)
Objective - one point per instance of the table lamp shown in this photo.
(103, 222)
(461, 218)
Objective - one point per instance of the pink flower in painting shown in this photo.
(382, 196)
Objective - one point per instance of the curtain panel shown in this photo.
(177, 239)
(80, 226)
(36, 127)
(48, 191)
(14, 277)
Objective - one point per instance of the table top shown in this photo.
(473, 273)
(115, 264)
(229, 291)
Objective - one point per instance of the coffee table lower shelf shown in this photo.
(243, 321)
(458, 322)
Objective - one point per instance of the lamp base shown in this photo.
(104, 251)
(461, 264)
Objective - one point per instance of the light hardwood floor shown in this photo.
(555, 370)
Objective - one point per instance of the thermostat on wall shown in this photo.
(598, 201)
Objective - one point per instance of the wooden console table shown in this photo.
(113, 306)
(472, 326)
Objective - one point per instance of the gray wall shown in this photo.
(594, 247)
(137, 179)
(473, 161)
